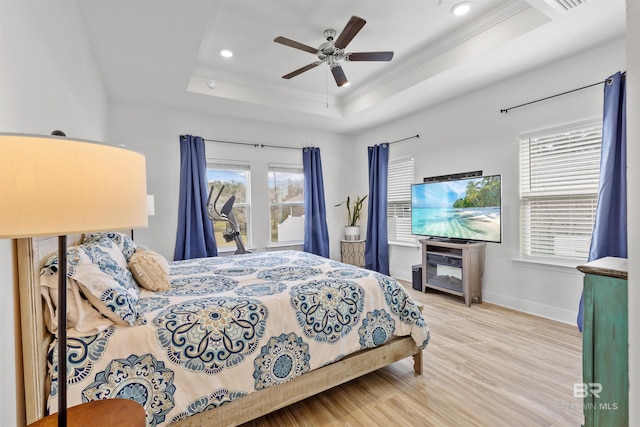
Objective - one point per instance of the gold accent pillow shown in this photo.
(150, 269)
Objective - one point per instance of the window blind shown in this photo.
(228, 165)
(285, 168)
(401, 175)
(559, 174)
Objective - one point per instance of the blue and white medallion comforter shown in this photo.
(233, 325)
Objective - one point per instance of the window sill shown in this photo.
(281, 245)
(404, 244)
(227, 252)
(565, 265)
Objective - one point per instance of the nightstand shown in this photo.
(100, 413)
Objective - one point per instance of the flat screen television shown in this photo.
(467, 209)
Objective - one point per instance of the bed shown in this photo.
(232, 339)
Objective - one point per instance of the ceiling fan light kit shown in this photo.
(332, 51)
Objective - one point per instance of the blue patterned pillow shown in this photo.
(101, 271)
(122, 241)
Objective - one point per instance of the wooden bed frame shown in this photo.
(36, 340)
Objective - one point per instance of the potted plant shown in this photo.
(352, 229)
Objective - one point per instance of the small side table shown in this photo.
(352, 252)
(100, 413)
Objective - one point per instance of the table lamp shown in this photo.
(55, 186)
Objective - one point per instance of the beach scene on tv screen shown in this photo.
(461, 209)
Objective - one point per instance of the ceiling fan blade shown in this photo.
(369, 56)
(302, 70)
(292, 43)
(352, 28)
(338, 74)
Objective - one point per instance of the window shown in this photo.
(235, 178)
(286, 203)
(559, 173)
(400, 178)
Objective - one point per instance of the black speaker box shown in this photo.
(417, 277)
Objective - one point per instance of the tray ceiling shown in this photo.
(166, 53)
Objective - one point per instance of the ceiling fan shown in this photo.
(332, 51)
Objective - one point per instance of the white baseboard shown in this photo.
(534, 308)
(529, 307)
(402, 275)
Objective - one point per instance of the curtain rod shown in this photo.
(506, 110)
(253, 145)
(404, 139)
(288, 148)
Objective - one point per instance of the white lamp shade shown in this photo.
(57, 186)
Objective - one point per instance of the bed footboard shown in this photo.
(262, 402)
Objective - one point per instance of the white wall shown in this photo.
(155, 133)
(49, 76)
(469, 133)
(48, 80)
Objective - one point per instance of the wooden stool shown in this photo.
(100, 413)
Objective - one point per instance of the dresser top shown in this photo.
(607, 266)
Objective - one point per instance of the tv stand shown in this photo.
(452, 267)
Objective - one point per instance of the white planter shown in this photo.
(352, 233)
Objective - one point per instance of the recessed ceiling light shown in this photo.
(461, 8)
(226, 53)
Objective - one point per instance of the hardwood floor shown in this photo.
(484, 366)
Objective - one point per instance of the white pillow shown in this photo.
(82, 317)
